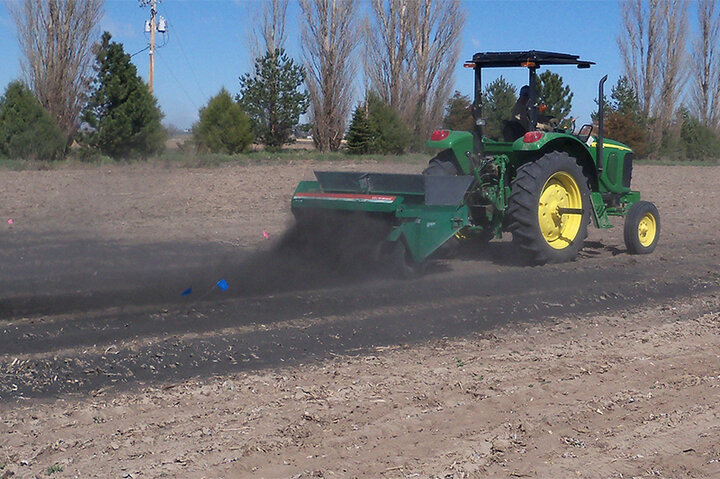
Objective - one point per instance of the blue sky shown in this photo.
(207, 44)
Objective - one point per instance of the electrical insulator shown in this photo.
(162, 25)
(147, 26)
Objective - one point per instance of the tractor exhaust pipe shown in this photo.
(477, 117)
(601, 121)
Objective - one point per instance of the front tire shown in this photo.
(642, 228)
(549, 209)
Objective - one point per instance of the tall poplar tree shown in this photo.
(56, 38)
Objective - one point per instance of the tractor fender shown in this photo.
(569, 144)
(461, 144)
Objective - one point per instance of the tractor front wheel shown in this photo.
(549, 209)
(642, 228)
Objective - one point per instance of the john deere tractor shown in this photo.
(542, 186)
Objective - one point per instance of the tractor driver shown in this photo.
(519, 111)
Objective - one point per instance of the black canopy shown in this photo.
(531, 58)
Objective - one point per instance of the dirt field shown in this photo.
(606, 367)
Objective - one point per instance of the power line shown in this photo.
(140, 51)
(192, 70)
(172, 73)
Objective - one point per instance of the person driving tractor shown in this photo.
(520, 111)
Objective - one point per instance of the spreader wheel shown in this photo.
(401, 262)
(549, 209)
(642, 228)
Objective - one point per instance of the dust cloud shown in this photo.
(321, 250)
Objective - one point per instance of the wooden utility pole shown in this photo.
(153, 27)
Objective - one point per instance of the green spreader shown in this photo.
(543, 185)
(426, 210)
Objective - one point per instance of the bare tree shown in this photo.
(653, 50)
(673, 71)
(413, 50)
(56, 38)
(639, 45)
(388, 54)
(435, 48)
(268, 33)
(706, 65)
(329, 37)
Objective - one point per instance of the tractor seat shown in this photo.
(512, 130)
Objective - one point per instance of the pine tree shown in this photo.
(122, 114)
(625, 98)
(390, 133)
(498, 100)
(27, 131)
(223, 127)
(271, 99)
(458, 114)
(377, 128)
(360, 135)
(624, 119)
(552, 93)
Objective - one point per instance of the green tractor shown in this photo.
(544, 187)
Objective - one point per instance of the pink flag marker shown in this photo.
(10, 221)
(266, 235)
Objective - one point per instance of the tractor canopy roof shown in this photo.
(531, 58)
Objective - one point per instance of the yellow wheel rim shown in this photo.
(647, 229)
(560, 191)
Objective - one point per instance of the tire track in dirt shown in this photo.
(84, 352)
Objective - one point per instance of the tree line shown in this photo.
(667, 104)
(82, 90)
(406, 49)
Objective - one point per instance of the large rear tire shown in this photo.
(442, 164)
(549, 209)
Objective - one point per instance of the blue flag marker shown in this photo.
(222, 284)
(186, 292)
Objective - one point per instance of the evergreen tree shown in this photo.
(458, 113)
(625, 129)
(122, 114)
(360, 135)
(624, 119)
(552, 93)
(27, 131)
(498, 100)
(271, 99)
(391, 134)
(698, 141)
(223, 127)
(607, 106)
(377, 128)
(625, 100)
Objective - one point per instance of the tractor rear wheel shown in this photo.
(549, 209)
(442, 164)
(642, 228)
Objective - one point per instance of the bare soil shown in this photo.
(605, 367)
